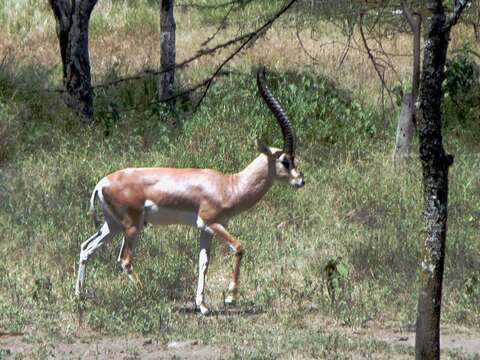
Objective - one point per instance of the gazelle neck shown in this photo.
(249, 185)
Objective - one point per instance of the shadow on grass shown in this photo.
(226, 311)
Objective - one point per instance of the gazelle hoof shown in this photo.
(230, 300)
(203, 309)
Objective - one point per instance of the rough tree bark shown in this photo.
(406, 121)
(72, 17)
(435, 163)
(167, 52)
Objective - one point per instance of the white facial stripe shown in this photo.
(101, 184)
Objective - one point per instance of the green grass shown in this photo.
(355, 209)
(355, 215)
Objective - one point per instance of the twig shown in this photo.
(386, 59)
(408, 14)
(351, 47)
(208, 7)
(199, 54)
(374, 62)
(345, 52)
(313, 58)
(251, 36)
(220, 27)
(453, 17)
(174, 96)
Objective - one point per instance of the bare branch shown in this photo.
(249, 38)
(246, 38)
(209, 7)
(453, 17)
(200, 53)
(376, 65)
(408, 14)
(220, 27)
(174, 96)
(380, 15)
(345, 53)
(313, 58)
(208, 81)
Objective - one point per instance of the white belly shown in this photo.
(164, 216)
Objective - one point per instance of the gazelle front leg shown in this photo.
(238, 250)
(203, 260)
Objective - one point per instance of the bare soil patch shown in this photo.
(456, 338)
(452, 337)
(109, 348)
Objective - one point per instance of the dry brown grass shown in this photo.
(126, 40)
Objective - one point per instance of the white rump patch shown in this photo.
(100, 185)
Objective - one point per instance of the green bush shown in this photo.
(462, 92)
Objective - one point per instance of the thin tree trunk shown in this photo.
(417, 32)
(435, 163)
(405, 131)
(167, 52)
(72, 17)
(407, 121)
(62, 11)
(476, 31)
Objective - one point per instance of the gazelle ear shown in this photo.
(262, 147)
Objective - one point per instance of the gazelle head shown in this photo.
(283, 160)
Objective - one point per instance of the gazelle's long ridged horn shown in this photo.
(280, 115)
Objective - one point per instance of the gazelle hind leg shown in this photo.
(90, 247)
(203, 260)
(126, 254)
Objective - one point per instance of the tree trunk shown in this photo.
(405, 131)
(72, 17)
(476, 31)
(167, 52)
(417, 32)
(407, 121)
(435, 164)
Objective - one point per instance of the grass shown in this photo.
(355, 212)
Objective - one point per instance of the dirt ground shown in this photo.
(459, 339)
(109, 348)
